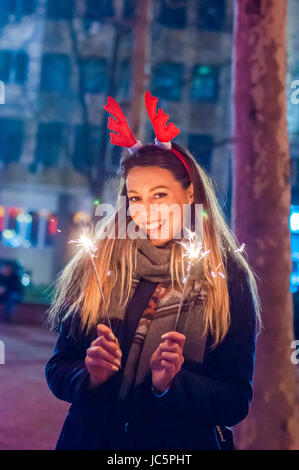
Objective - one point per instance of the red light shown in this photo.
(52, 225)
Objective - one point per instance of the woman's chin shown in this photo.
(159, 241)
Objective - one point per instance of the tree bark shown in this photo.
(261, 203)
(140, 53)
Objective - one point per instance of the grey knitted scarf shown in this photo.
(159, 317)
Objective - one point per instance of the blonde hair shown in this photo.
(76, 287)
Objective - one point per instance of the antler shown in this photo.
(118, 124)
(163, 133)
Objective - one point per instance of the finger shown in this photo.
(104, 330)
(170, 368)
(100, 353)
(110, 346)
(101, 363)
(175, 358)
(176, 337)
(170, 346)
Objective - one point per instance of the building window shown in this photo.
(211, 14)
(16, 7)
(61, 9)
(116, 156)
(11, 140)
(21, 67)
(167, 81)
(87, 146)
(13, 66)
(50, 142)
(201, 146)
(22, 228)
(56, 72)
(94, 74)
(124, 80)
(204, 83)
(129, 8)
(5, 65)
(173, 13)
(51, 231)
(99, 10)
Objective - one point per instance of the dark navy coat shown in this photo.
(203, 395)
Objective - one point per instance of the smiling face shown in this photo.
(152, 191)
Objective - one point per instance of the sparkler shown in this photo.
(194, 252)
(241, 248)
(91, 248)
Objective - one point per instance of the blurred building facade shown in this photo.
(293, 126)
(59, 60)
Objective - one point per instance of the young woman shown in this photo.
(154, 380)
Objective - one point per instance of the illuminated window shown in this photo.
(51, 231)
(2, 213)
(34, 228)
(27, 229)
(294, 228)
(167, 81)
(204, 83)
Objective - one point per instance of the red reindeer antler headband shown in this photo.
(123, 136)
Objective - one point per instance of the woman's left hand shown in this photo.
(167, 360)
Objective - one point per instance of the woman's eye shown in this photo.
(133, 199)
(160, 195)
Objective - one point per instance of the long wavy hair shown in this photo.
(76, 286)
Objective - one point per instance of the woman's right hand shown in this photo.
(103, 357)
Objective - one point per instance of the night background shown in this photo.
(59, 60)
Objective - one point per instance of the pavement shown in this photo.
(31, 416)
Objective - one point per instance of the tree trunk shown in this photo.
(261, 202)
(143, 13)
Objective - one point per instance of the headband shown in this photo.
(122, 134)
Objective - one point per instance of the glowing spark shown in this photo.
(86, 243)
(219, 272)
(194, 252)
(241, 248)
(90, 247)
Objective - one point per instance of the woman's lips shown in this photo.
(154, 225)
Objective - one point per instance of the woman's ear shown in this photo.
(190, 193)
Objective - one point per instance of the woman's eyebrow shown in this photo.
(152, 189)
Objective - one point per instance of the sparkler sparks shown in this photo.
(90, 247)
(194, 252)
(214, 273)
(86, 243)
(241, 248)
